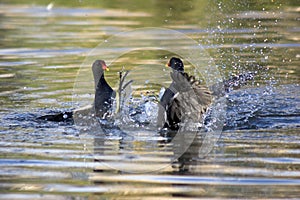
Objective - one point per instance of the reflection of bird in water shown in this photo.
(104, 97)
(186, 96)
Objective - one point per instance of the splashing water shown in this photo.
(138, 112)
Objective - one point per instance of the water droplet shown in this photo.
(50, 6)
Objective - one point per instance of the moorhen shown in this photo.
(187, 95)
(104, 94)
(184, 95)
(104, 97)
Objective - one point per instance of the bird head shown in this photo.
(100, 64)
(176, 64)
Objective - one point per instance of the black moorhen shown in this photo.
(104, 97)
(104, 94)
(187, 95)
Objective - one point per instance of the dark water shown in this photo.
(43, 47)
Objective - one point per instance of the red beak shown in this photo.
(104, 67)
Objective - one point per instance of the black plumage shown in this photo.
(104, 94)
(187, 100)
(104, 97)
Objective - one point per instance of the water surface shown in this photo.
(42, 48)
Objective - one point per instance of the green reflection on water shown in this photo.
(40, 57)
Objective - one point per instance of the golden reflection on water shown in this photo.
(42, 50)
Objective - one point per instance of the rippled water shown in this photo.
(42, 49)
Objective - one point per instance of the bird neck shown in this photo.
(102, 82)
(173, 88)
(181, 71)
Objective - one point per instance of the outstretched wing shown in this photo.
(189, 103)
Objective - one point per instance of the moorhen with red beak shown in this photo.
(104, 94)
(186, 95)
(104, 97)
